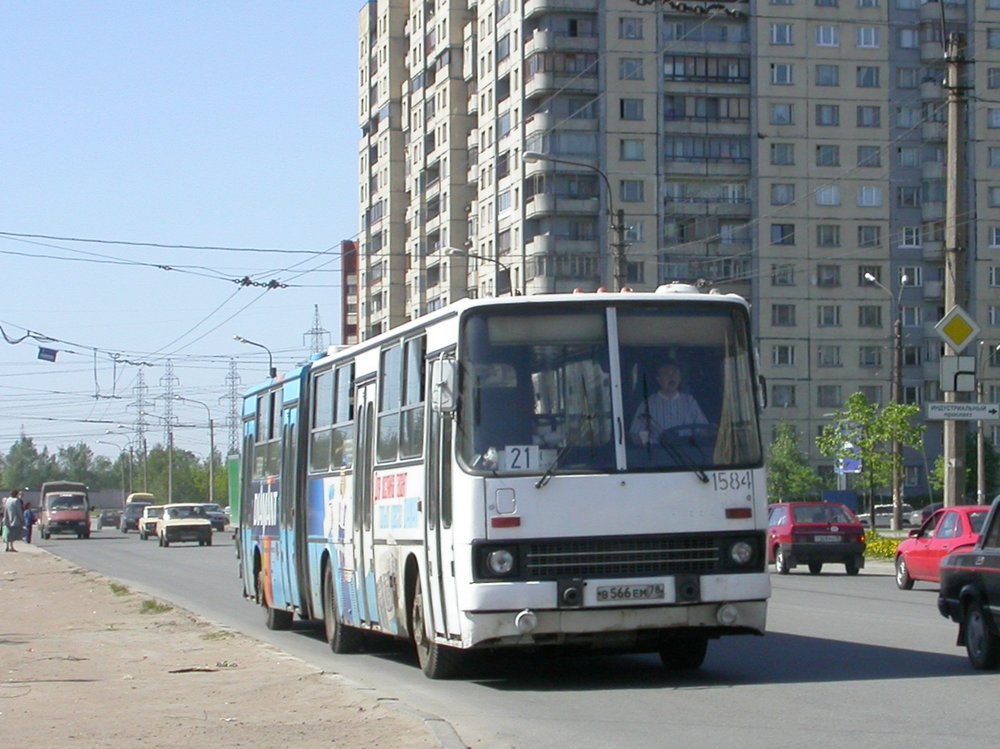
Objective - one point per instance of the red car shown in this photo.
(814, 533)
(949, 530)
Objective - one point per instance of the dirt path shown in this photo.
(84, 662)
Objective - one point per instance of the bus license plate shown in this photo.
(651, 592)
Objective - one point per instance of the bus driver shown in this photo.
(666, 408)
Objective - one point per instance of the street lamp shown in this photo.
(503, 274)
(121, 462)
(618, 246)
(897, 395)
(211, 444)
(270, 357)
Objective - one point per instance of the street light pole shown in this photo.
(620, 270)
(211, 444)
(897, 395)
(504, 269)
(121, 461)
(980, 436)
(270, 357)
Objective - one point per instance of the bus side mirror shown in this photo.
(444, 384)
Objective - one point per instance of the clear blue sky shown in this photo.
(229, 124)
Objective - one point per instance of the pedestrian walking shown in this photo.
(29, 521)
(13, 519)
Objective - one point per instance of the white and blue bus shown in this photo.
(475, 479)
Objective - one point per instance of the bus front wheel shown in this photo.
(436, 661)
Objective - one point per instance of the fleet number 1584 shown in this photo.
(727, 481)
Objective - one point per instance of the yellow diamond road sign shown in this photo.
(957, 329)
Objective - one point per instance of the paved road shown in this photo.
(847, 661)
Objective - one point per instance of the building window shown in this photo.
(827, 75)
(783, 315)
(782, 194)
(869, 236)
(910, 236)
(828, 195)
(908, 196)
(783, 356)
(827, 275)
(828, 356)
(869, 116)
(912, 316)
(827, 115)
(828, 235)
(914, 275)
(870, 357)
(995, 197)
(869, 156)
(828, 316)
(993, 77)
(629, 27)
(868, 37)
(828, 396)
(781, 33)
(782, 274)
(781, 114)
(630, 69)
(783, 234)
(908, 38)
(908, 77)
(632, 149)
(827, 155)
(631, 109)
(783, 396)
(783, 154)
(993, 38)
(908, 156)
(869, 196)
(869, 316)
(827, 36)
(993, 118)
(994, 236)
(781, 74)
(631, 190)
(868, 76)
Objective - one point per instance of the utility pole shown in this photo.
(618, 247)
(955, 233)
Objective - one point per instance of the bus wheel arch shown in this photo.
(342, 639)
(437, 661)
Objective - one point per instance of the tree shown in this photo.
(24, 466)
(864, 431)
(970, 485)
(789, 475)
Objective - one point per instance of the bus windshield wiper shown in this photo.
(553, 466)
(682, 458)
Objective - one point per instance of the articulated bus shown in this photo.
(475, 479)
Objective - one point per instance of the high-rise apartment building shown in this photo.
(787, 150)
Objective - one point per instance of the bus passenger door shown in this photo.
(439, 547)
(288, 509)
(362, 527)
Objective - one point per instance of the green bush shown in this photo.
(878, 547)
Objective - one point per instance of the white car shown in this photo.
(184, 521)
(147, 522)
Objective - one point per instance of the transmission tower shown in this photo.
(139, 391)
(318, 336)
(232, 412)
(168, 382)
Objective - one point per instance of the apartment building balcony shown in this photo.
(933, 250)
(934, 131)
(545, 122)
(544, 40)
(547, 81)
(547, 203)
(707, 206)
(717, 126)
(931, 88)
(472, 174)
(930, 52)
(536, 7)
(933, 289)
(953, 13)
(932, 210)
(715, 168)
(472, 104)
(932, 170)
(689, 46)
(547, 244)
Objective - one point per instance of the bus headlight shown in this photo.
(500, 562)
(741, 552)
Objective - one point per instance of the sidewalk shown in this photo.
(85, 662)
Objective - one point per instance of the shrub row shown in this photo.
(879, 547)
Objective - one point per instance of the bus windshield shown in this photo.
(631, 387)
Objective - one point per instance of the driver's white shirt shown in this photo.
(658, 412)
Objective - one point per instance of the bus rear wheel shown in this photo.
(343, 639)
(273, 618)
(436, 661)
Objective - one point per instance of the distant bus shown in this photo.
(472, 480)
